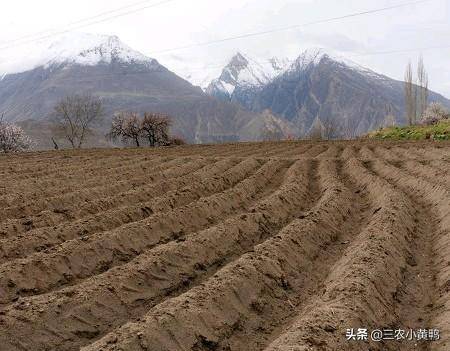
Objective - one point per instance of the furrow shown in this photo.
(433, 268)
(75, 217)
(278, 150)
(232, 310)
(433, 175)
(349, 152)
(242, 150)
(414, 166)
(73, 168)
(66, 184)
(80, 258)
(362, 288)
(314, 150)
(44, 240)
(66, 201)
(266, 150)
(38, 169)
(387, 153)
(365, 153)
(296, 152)
(163, 272)
(427, 151)
(333, 151)
(242, 246)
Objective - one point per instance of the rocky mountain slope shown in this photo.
(319, 90)
(125, 80)
(243, 74)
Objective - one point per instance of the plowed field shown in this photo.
(238, 247)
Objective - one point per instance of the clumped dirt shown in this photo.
(235, 247)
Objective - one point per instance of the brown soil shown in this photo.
(234, 247)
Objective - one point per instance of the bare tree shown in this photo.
(127, 126)
(416, 95)
(422, 82)
(12, 138)
(410, 99)
(330, 128)
(155, 127)
(389, 121)
(75, 115)
(315, 132)
(348, 129)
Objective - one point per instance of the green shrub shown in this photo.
(438, 131)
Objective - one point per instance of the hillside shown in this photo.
(322, 89)
(125, 80)
(242, 75)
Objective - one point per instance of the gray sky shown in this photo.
(185, 22)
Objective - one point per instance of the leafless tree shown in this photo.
(422, 82)
(74, 116)
(330, 128)
(315, 133)
(389, 121)
(12, 138)
(410, 99)
(130, 126)
(416, 95)
(155, 127)
(348, 129)
(127, 126)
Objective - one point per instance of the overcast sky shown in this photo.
(184, 22)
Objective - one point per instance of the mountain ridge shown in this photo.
(321, 88)
(243, 71)
(249, 97)
(80, 48)
(124, 80)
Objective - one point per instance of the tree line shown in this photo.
(151, 127)
(416, 93)
(75, 117)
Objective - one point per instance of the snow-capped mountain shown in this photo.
(314, 56)
(125, 80)
(89, 49)
(243, 72)
(317, 88)
(73, 48)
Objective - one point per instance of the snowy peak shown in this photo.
(238, 61)
(313, 57)
(243, 71)
(72, 48)
(279, 65)
(89, 49)
(307, 58)
(248, 74)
